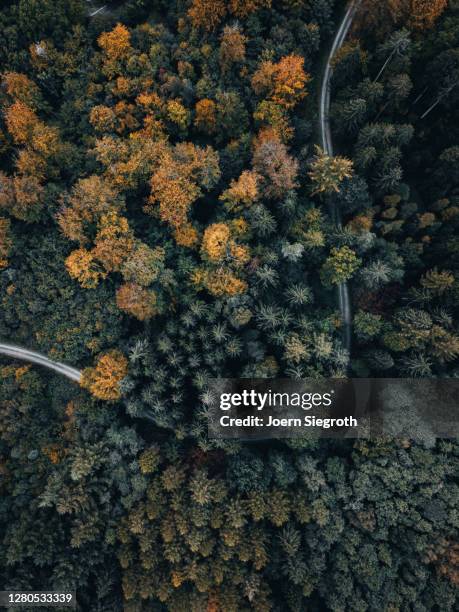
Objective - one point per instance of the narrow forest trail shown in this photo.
(16, 352)
(327, 146)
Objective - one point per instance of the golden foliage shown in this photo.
(102, 118)
(137, 301)
(232, 47)
(290, 81)
(176, 183)
(178, 114)
(218, 245)
(417, 14)
(207, 14)
(45, 140)
(243, 8)
(186, 236)
(283, 83)
(328, 172)
(20, 122)
(424, 13)
(219, 282)
(174, 193)
(28, 197)
(114, 241)
(206, 116)
(41, 141)
(127, 162)
(103, 380)
(270, 114)
(89, 199)
(122, 86)
(21, 196)
(149, 460)
(150, 100)
(215, 241)
(243, 192)
(6, 243)
(21, 88)
(115, 44)
(143, 264)
(29, 163)
(82, 267)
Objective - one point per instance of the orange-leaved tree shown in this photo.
(19, 87)
(183, 172)
(243, 8)
(218, 245)
(89, 199)
(103, 380)
(424, 13)
(82, 266)
(137, 301)
(273, 163)
(116, 47)
(6, 242)
(21, 196)
(143, 265)
(232, 47)
(284, 83)
(114, 242)
(243, 192)
(207, 14)
(206, 116)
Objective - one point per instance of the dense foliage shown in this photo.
(164, 219)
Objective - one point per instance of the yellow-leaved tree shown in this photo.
(5, 242)
(103, 380)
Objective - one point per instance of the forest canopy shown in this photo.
(168, 215)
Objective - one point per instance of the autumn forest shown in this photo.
(170, 214)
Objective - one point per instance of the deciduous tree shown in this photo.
(143, 264)
(89, 199)
(114, 242)
(273, 163)
(116, 46)
(207, 14)
(19, 87)
(137, 301)
(243, 192)
(178, 182)
(206, 116)
(6, 242)
(424, 13)
(21, 196)
(232, 47)
(103, 380)
(243, 8)
(82, 266)
(284, 83)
